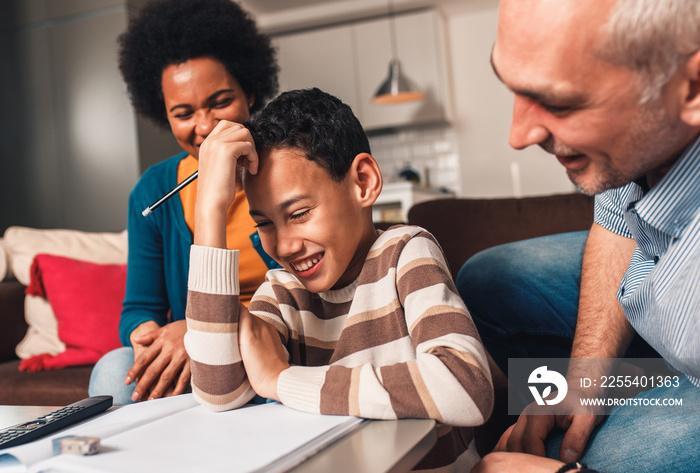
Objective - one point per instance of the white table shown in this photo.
(377, 446)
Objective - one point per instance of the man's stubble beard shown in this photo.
(649, 145)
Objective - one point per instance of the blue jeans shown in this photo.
(644, 443)
(108, 375)
(523, 298)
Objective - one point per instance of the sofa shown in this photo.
(42, 388)
(51, 277)
(462, 226)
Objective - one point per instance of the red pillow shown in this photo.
(87, 301)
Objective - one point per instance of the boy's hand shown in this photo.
(227, 147)
(262, 353)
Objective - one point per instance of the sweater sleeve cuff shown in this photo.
(299, 387)
(213, 270)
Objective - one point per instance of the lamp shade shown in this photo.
(396, 88)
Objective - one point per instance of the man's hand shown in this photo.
(529, 433)
(161, 364)
(263, 354)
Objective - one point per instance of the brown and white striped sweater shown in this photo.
(396, 343)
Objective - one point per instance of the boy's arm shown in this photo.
(219, 380)
(449, 380)
(213, 310)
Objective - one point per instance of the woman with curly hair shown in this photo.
(187, 65)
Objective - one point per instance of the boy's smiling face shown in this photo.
(318, 229)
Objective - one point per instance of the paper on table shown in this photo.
(103, 425)
(268, 437)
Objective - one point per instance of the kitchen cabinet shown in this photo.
(397, 198)
(352, 60)
(320, 58)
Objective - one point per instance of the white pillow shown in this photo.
(5, 271)
(22, 244)
(42, 334)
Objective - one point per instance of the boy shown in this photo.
(357, 323)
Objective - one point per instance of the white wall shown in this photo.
(70, 146)
(72, 143)
(483, 108)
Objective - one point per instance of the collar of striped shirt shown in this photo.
(671, 204)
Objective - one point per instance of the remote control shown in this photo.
(27, 431)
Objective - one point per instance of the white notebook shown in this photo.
(177, 435)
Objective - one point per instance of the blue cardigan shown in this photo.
(159, 252)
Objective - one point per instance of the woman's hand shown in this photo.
(262, 353)
(161, 364)
(228, 147)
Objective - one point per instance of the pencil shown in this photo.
(177, 189)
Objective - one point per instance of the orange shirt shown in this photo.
(239, 227)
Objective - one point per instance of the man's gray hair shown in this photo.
(653, 38)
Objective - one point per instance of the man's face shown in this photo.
(576, 105)
(307, 222)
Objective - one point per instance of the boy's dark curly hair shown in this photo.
(314, 122)
(170, 32)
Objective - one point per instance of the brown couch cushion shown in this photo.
(12, 318)
(49, 388)
(464, 227)
(44, 388)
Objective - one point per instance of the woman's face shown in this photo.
(198, 94)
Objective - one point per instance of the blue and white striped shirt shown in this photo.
(660, 292)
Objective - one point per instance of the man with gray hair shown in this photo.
(611, 88)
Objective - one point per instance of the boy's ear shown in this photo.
(367, 179)
(690, 112)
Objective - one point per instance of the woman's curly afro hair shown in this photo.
(170, 32)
